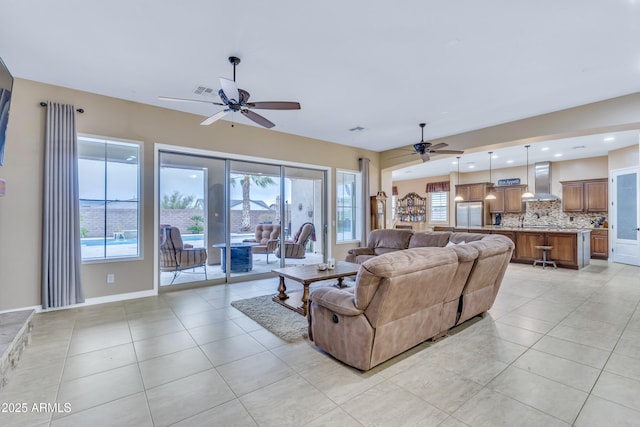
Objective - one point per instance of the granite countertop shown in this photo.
(546, 229)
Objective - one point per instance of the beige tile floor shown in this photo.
(559, 347)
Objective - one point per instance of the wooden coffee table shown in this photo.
(307, 274)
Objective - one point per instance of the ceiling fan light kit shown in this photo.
(237, 100)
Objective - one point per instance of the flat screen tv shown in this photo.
(6, 85)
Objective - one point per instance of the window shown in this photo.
(109, 187)
(439, 206)
(348, 206)
(394, 201)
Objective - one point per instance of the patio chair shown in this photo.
(176, 256)
(267, 239)
(296, 248)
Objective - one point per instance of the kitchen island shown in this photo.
(571, 246)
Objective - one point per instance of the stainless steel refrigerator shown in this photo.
(469, 214)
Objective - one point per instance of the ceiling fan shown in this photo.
(426, 149)
(236, 99)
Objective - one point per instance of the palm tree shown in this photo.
(260, 181)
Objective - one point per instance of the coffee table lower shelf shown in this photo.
(293, 302)
(305, 275)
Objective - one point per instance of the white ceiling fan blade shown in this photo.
(230, 89)
(215, 117)
(168, 98)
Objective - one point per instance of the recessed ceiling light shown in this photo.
(557, 155)
(454, 162)
(544, 149)
(472, 166)
(609, 139)
(356, 129)
(495, 156)
(193, 176)
(509, 161)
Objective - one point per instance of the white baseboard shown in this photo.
(91, 301)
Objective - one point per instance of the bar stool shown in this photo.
(544, 261)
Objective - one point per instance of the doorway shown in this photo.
(625, 231)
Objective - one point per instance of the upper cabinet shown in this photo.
(508, 199)
(472, 192)
(585, 196)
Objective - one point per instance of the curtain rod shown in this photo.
(79, 110)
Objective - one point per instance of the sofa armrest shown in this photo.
(337, 300)
(361, 251)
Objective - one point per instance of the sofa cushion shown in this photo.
(399, 263)
(381, 240)
(429, 239)
(466, 237)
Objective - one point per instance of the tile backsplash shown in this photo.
(550, 213)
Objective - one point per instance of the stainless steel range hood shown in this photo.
(542, 183)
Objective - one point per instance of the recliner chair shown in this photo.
(296, 248)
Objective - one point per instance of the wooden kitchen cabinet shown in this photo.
(572, 197)
(472, 192)
(599, 243)
(596, 195)
(513, 199)
(585, 196)
(526, 242)
(497, 205)
(564, 247)
(568, 248)
(508, 199)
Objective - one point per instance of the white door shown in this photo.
(625, 216)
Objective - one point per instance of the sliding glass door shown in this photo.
(192, 218)
(304, 216)
(223, 220)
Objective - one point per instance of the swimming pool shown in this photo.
(101, 241)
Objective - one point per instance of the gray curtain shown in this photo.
(61, 284)
(366, 193)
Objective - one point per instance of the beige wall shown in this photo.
(21, 208)
(418, 186)
(624, 158)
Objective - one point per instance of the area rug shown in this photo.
(282, 322)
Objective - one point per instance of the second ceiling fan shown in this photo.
(426, 149)
(236, 99)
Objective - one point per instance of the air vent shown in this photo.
(205, 91)
(356, 129)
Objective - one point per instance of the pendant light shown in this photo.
(458, 197)
(490, 195)
(528, 194)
